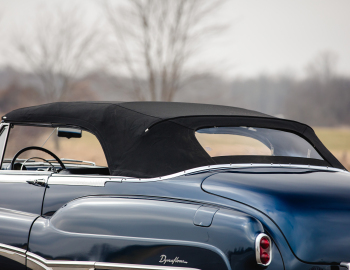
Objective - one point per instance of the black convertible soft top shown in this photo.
(151, 139)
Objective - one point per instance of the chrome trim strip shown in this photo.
(6, 211)
(81, 180)
(123, 266)
(12, 249)
(21, 178)
(225, 166)
(100, 181)
(13, 253)
(38, 263)
(21, 173)
(3, 147)
(257, 248)
(345, 264)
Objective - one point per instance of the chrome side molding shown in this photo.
(36, 262)
(123, 266)
(22, 178)
(70, 180)
(13, 253)
(345, 264)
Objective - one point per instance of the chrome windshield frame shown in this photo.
(4, 142)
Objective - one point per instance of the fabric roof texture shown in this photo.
(152, 139)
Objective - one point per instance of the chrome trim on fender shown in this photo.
(345, 264)
(36, 262)
(13, 253)
(123, 266)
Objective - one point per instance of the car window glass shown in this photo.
(231, 141)
(86, 148)
(228, 145)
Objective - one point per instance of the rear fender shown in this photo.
(148, 232)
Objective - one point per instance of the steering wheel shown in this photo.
(36, 148)
(43, 159)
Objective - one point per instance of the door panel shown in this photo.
(19, 192)
(20, 204)
(64, 188)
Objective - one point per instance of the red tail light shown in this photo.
(263, 249)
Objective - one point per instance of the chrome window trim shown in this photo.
(3, 147)
(226, 166)
(100, 181)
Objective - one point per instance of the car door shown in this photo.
(21, 196)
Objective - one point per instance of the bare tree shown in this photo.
(323, 67)
(57, 48)
(155, 40)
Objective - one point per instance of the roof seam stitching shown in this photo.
(138, 112)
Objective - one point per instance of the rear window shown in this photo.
(251, 141)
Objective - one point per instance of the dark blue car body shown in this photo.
(205, 218)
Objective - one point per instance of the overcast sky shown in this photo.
(266, 36)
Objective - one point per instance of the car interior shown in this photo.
(60, 150)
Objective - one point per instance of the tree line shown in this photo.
(148, 50)
(309, 100)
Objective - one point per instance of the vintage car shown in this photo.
(185, 187)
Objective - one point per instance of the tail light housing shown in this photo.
(263, 249)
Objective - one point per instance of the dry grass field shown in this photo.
(337, 140)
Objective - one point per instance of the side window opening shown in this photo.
(84, 152)
(229, 145)
(252, 141)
